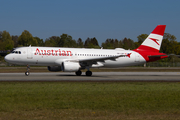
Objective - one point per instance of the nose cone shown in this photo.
(7, 58)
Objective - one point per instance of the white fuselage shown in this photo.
(54, 56)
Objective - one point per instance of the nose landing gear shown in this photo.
(27, 72)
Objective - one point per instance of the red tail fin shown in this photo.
(149, 49)
(154, 40)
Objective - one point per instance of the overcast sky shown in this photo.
(102, 19)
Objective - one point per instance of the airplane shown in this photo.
(76, 59)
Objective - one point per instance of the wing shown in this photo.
(95, 62)
(101, 59)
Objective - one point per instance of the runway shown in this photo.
(97, 76)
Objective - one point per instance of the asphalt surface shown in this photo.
(97, 76)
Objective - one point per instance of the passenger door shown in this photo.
(29, 53)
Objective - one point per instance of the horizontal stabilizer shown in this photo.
(155, 56)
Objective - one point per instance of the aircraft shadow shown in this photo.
(80, 76)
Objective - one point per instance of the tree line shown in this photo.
(8, 42)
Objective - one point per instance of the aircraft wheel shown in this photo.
(88, 73)
(27, 73)
(78, 73)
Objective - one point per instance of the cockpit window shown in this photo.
(16, 52)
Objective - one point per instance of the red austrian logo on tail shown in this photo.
(155, 40)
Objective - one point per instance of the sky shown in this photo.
(102, 19)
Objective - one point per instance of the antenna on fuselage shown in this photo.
(29, 45)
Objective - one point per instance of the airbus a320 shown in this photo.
(76, 59)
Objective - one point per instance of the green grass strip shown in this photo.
(90, 100)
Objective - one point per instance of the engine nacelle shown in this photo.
(70, 66)
(54, 68)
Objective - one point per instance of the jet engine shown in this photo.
(70, 66)
(54, 68)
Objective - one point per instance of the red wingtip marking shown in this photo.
(159, 30)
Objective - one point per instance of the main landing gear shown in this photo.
(78, 73)
(88, 73)
(27, 72)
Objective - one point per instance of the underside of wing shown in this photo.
(96, 61)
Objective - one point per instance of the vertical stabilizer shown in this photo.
(154, 40)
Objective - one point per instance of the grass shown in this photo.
(90, 100)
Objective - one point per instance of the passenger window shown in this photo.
(19, 52)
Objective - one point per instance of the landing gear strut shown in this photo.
(88, 73)
(78, 73)
(27, 72)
